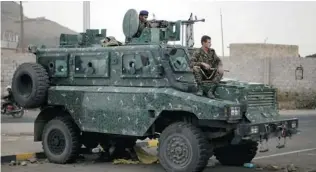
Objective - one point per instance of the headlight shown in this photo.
(294, 124)
(254, 129)
(234, 111)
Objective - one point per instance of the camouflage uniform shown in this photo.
(200, 56)
(141, 27)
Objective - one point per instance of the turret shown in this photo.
(90, 38)
(161, 32)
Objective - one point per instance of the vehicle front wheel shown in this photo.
(60, 140)
(183, 147)
(236, 155)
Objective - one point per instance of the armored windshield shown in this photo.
(179, 60)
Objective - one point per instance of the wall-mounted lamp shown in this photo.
(299, 73)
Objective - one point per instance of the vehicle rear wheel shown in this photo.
(236, 155)
(60, 140)
(183, 147)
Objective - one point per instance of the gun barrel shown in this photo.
(191, 21)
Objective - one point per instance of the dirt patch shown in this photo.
(306, 99)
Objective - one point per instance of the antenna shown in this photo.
(222, 32)
(154, 16)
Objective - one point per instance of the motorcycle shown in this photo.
(10, 107)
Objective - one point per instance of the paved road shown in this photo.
(304, 159)
(301, 151)
(28, 117)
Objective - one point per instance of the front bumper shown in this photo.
(258, 131)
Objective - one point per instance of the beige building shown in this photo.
(259, 50)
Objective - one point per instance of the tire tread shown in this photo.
(74, 134)
(203, 144)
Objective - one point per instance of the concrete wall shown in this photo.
(279, 72)
(10, 59)
(263, 50)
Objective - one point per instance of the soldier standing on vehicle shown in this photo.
(143, 23)
(203, 62)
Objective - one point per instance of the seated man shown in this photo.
(206, 64)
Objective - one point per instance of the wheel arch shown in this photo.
(48, 113)
(167, 117)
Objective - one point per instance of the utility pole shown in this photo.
(86, 15)
(22, 27)
(222, 32)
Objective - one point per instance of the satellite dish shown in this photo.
(130, 23)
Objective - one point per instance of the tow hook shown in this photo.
(264, 147)
(282, 135)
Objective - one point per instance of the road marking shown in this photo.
(285, 153)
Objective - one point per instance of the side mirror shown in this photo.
(173, 51)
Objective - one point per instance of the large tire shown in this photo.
(29, 85)
(236, 155)
(66, 136)
(188, 143)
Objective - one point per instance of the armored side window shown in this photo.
(139, 64)
(91, 66)
(179, 61)
(55, 63)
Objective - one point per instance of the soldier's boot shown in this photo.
(210, 93)
(199, 90)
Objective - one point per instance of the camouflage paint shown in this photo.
(133, 103)
(259, 99)
(128, 104)
(131, 110)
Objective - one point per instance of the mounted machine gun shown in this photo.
(161, 32)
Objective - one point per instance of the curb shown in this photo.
(18, 134)
(22, 157)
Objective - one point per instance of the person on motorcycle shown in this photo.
(7, 98)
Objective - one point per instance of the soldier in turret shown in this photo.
(206, 63)
(143, 23)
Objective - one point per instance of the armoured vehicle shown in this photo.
(114, 95)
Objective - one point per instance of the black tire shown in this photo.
(196, 146)
(29, 85)
(236, 155)
(18, 115)
(65, 128)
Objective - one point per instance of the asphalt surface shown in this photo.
(300, 151)
(28, 117)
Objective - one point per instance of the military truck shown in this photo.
(92, 95)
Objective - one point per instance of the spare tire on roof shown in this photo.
(30, 83)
